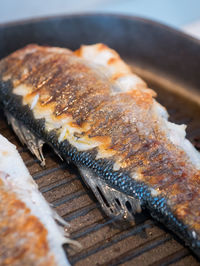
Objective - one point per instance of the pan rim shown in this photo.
(83, 15)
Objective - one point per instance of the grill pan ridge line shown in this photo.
(145, 65)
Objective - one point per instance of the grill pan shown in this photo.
(169, 61)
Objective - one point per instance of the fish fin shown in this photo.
(114, 202)
(70, 241)
(59, 219)
(33, 143)
(63, 227)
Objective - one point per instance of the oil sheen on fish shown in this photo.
(96, 113)
(28, 233)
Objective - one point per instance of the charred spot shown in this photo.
(112, 60)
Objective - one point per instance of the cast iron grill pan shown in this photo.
(170, 65)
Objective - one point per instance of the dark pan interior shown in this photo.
(169, 61)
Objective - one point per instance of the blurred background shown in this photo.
(182, 14)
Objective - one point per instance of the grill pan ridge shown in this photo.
(169, 61)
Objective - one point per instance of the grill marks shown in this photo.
(125, 246)
(87, 223)
(87, 220)
(125, 122)
(69, 83)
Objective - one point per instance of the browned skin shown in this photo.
(23, 239)
(69, 87)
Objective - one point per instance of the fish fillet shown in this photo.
(28, 233)
(96, 113)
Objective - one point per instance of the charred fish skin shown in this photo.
(122, 182)
(119, 181)
(112, 175)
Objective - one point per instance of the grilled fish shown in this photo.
(28, 232)
(96, 113)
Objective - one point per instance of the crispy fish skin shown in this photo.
(17, 222)
(95, 112)
(28, 233)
